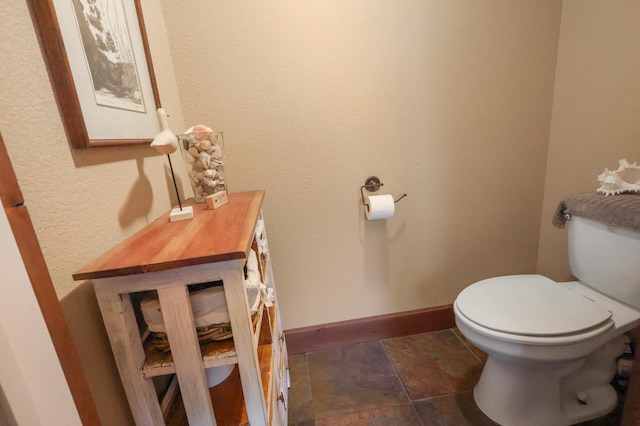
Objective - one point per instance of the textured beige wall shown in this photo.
(448, 101)
(596, 110)
(81, 202)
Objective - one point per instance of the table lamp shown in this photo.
(166, 142)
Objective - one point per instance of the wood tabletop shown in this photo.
(213, 235)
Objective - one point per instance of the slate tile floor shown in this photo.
(422, 380)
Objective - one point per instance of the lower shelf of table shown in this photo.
(227, 397)
(227, 400)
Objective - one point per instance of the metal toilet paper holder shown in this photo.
(372, 184)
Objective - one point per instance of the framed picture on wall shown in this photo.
(98, 59)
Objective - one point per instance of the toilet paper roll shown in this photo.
(380, 207)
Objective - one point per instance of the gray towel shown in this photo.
(615, 210)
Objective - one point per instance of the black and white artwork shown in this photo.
(109, 53)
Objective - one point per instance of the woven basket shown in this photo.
(206, 333)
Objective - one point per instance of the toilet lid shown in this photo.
(530, 305)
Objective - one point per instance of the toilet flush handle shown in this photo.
(583, 398)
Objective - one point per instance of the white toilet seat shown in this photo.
(530, 309)
(532, 340)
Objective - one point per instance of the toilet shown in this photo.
(552, 347)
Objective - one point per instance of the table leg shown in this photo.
(185, 349)
(245, 345)
(122, 329)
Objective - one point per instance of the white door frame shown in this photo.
(31, 376)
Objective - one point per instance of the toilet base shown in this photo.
(515, 393)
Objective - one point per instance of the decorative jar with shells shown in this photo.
(203, 153)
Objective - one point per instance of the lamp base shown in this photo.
(184, 214)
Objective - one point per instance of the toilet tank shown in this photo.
(606, 258)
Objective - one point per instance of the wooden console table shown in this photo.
(166, 257)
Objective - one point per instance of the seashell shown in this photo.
(208, 190)
(204, 145)
(212, 183)
(205, 159)
(625, 179)
(200, 131)
(217, 152)
(194, 177)
(197, 166)
(210, 173)
(189, 159)
(194, 151)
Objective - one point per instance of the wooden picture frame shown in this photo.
(97, 107)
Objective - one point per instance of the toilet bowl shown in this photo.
(552, 348)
